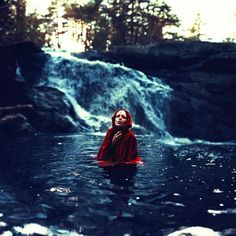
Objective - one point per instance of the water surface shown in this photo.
(54, 181)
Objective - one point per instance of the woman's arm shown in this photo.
(116, 138)
(105, 145)
(132, 147)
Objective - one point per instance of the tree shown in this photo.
(123, 22)
(158, 16)
(90, 16)
(16, 26)
(195, 30)
(7, 19)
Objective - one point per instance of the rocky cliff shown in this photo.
(201, 74)
(26, 107)
(203, 78)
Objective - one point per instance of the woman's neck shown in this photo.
(121, 128)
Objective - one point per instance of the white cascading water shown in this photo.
(96, 89)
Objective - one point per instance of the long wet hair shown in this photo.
(128, 121)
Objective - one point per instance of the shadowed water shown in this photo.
(54, 181)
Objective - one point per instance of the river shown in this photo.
(52, 185)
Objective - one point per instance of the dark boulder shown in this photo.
(203, 106)
(16, 124)
(203, 78)
(52, 111)
(28, 58)
(47, 110)
(179, 56)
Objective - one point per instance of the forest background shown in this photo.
(100, 24)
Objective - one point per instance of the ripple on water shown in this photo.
(58, 183)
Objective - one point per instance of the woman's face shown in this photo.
(121, 118)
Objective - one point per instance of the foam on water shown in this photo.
(33, 228)
(196, 231)
(96, 89)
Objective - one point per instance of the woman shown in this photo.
(120, 144)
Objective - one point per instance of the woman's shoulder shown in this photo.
(131, 135)
(110, 130)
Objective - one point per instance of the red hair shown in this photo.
(129, 118)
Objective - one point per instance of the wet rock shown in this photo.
(202, 75)
(178, 55)
(28, 58)
(16, 124)
(94, 55)
(203, 78)
(203, 107)
(52, 111)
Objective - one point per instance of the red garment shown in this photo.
(125, 149)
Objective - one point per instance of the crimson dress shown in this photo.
(124, 150)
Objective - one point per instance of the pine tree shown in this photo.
(7, 20)
(195, 30)
(123, 22)
(16, 26)
(89, 16)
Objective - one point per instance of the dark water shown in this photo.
(54, 181)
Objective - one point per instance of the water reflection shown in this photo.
(122, 179)
(199, 178)
(53, 181)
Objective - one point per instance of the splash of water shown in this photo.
(96, 89)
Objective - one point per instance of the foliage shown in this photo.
(229, 40)
(195, 30)
(16, 27)
(123, 22)
(108, 22)
(89, 15)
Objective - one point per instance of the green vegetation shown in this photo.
(195, 30)
(123, 22)
(15, 26)
(108, 22)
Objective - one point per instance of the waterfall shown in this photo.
(96, 89)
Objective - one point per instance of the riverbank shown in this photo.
(202, 76)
